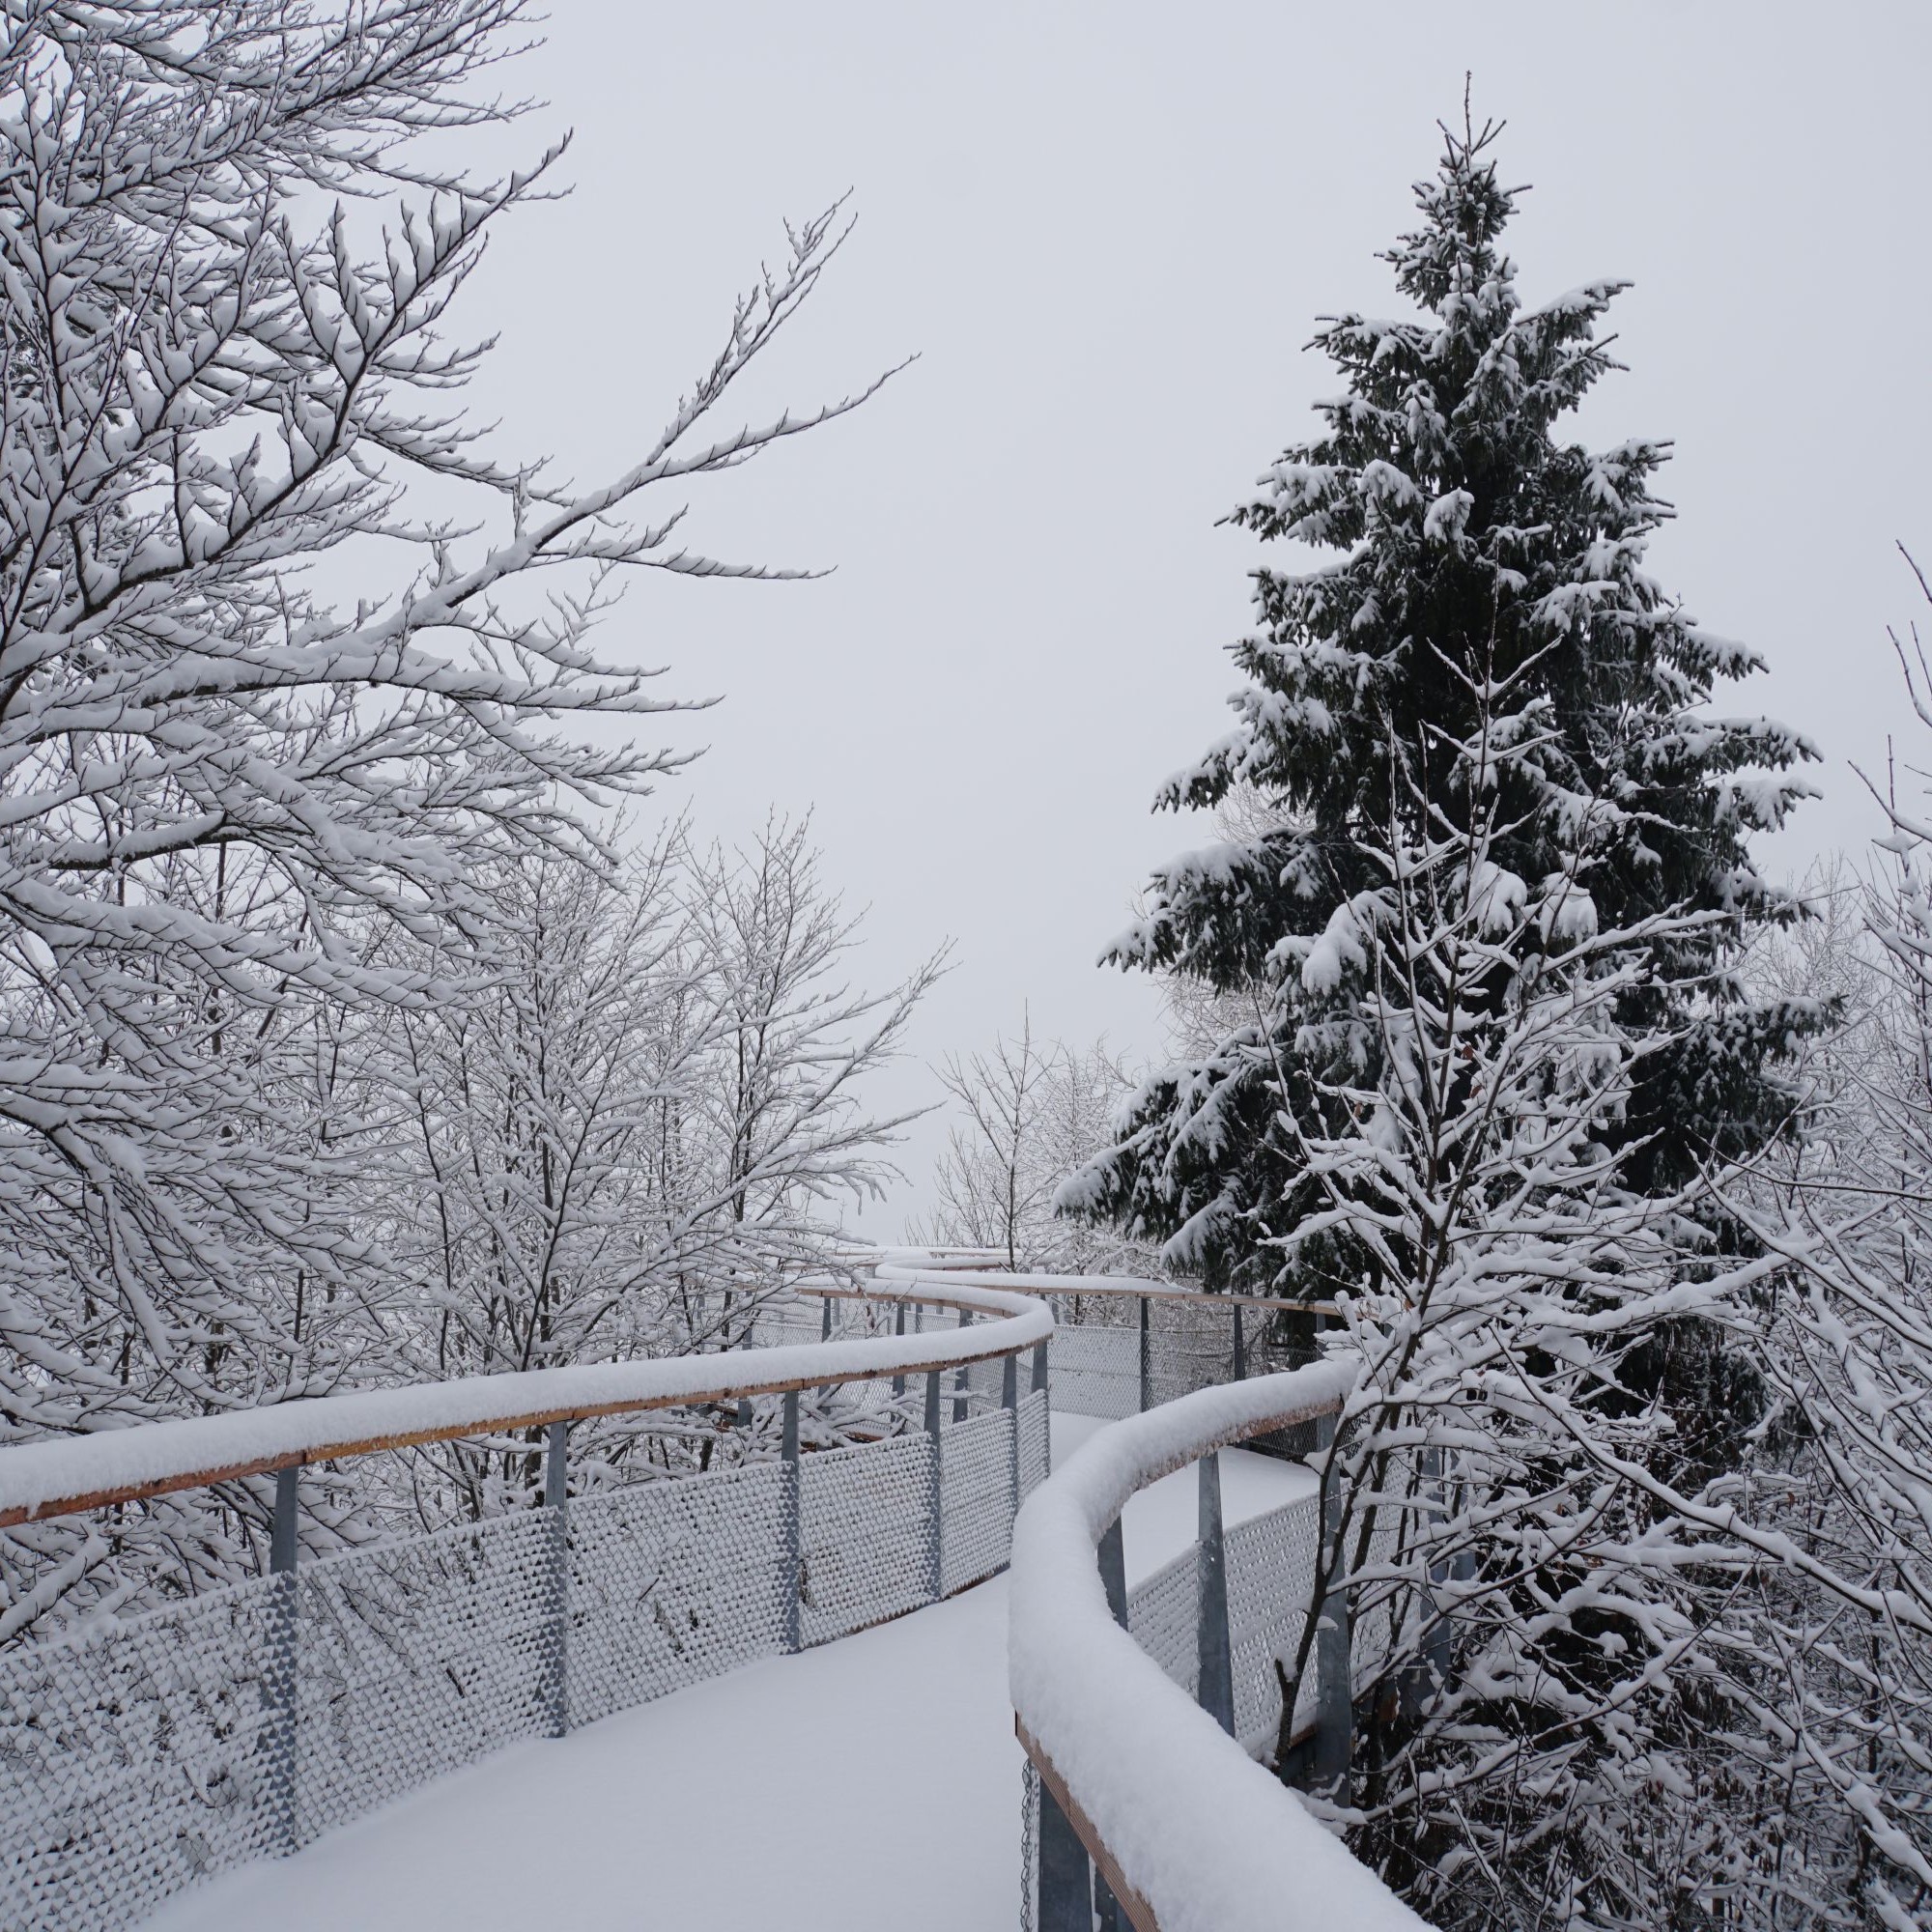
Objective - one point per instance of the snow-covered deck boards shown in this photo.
(814, 1791)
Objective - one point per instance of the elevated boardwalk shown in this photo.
(877, 1771)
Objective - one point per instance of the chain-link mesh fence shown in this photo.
(145, 1753)
(1117, 1353)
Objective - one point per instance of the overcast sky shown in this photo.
(1107, 231)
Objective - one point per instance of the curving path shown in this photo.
(810, 1792)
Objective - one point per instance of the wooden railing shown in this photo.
(1147, 1806)
(63, 1476)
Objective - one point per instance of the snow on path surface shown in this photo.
(874, 1776)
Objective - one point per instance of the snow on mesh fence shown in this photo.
(1101, 1367)
(149, 1753)
(1270, 1568)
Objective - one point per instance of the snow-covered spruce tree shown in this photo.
(1486, 943)
(224, 390)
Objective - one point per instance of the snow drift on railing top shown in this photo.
(156, 1454)
(1208, 1837)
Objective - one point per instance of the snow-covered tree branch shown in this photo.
(288, 665)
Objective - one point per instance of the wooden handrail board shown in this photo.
(724, 1390)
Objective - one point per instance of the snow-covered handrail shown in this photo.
(64, 1475)
(1190, 1833)
(905, 1266)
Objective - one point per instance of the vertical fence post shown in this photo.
(1067, 1878)
(794, 1529)
(899, 1329)
(1146, 1358)
(1240, 1344)
(1040, 1387)
(825, 1318)
(1213, 1650)
(962, 1382)
(1113, 1556)
(283, 1685)
(556, 1501)
(1009, 1401)
(1334, 1723)
(935, 1574)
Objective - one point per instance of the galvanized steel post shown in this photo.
(794, 1526)
(899, 1329)
(284, 1690)
(1210, 1603)
(1009, 1401)
(1147, 1359)
(935, 1574)
(1113, 1557)
(1241, 1346)
(1334, 1722)
(1040, 1387)
(557, 1500)
(1067, 1878)
(962, 1382)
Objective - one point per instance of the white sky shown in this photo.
(1107, 231)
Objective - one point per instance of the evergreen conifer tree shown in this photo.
(1486, 937)
(1490, 576)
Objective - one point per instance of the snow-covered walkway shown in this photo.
(878, 1775)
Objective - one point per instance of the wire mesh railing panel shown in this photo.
(1375, 1626)
(672, 1583)
(1162, 1618)
(1035, 1441)
(419, 1657)
(1097, 1371)
(976, 1487)
(865, 1536)
(1271, 1569)
(139, 1757)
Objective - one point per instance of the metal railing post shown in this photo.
(794, 1530)
(935, 1574)
(1146, 1358)
(962, 1383)
(899, 1329)
(1009, 1401)
(1212, 1651)
(556, 1501)
(1113, 1558)
(1241, 1346)
(825, 1318)
(1040, 1387)
(1334, 1722)
(284, 1689)
(1067, 1877)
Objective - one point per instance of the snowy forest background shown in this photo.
(372, 1010)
